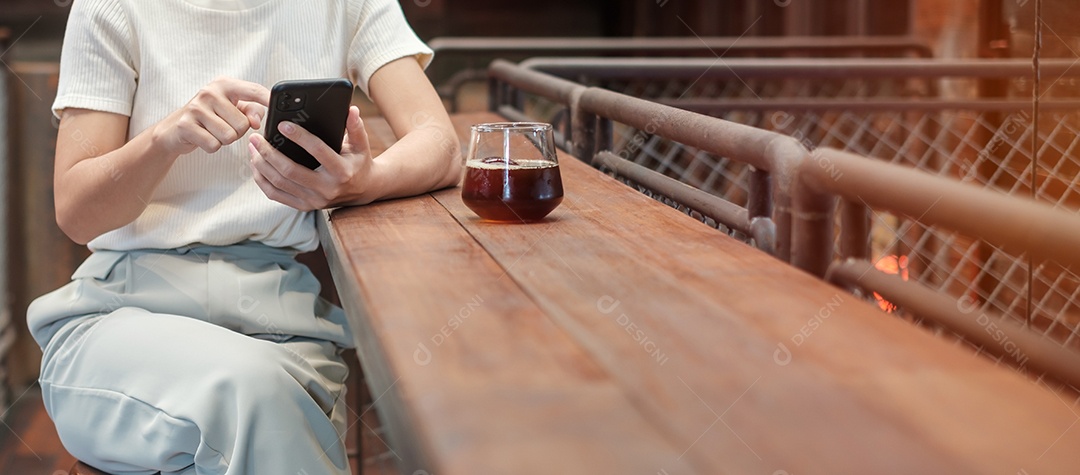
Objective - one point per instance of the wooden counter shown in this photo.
(619, 336)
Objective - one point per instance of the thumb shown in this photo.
(356, 137)
(254, 112)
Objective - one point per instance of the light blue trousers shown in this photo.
(209, 360)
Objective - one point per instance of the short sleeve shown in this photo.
(97, 70)
(382, 35)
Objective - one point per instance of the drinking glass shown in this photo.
(511, 172)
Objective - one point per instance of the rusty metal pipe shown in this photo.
(759, 202)
(763, 230)
(777, 158)
(803, 216)
(553, 88)
(892, 46)
(787, 154)
(812, 222)
(582, 128)
(505, 76)
(1015, 223)
(744, 143)
(723, 211)
(999, 336)
(854, 230)
(807, 215)
(868, 104)
(758, 45)
(818, 68)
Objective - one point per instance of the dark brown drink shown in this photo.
(519, 191)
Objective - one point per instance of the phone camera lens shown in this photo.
(290, 102)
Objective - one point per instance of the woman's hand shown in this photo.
(343, 177)
(426, 156)
(103, 181)
(219, 114)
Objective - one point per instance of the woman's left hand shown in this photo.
(343, 177)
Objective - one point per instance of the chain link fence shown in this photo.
(932, 120)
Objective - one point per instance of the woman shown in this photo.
(191, 341)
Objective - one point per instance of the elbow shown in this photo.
(454, 166)
(66, 219)
(71, 229)
(452, 176)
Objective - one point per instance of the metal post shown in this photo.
(583, 129)
(785, 154)
(759, 203)
(812, 229)
(854, 230)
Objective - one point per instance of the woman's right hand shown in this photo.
(219, 114)
(104, 181)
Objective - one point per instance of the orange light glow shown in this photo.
(896, 265)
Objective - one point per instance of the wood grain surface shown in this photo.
(620, 336)
(469, 375)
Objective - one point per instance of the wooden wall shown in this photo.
(40, 257)
(432, 18)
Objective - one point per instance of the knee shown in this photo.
(251, 374)
(116, 432)
(270, 376)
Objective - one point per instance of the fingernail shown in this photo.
(287, 127)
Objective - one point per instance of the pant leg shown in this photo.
(135, 392)
(325, 358)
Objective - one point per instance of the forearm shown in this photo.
(426, 156)
(99, 194)
(103, 181)
(426, 159)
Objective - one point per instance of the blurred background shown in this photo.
(37, 257)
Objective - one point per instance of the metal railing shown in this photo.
(784, 191)
(463, 60)
(508, 84)
(772, 46)
(1020, 225)
(899, 111)
(771, 211)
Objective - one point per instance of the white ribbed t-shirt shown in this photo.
(147, 58)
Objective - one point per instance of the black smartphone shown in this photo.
(321, 106)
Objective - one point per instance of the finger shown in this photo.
(237, 90)
(219, 128)
(304, 179)
(356, 137)
(200, 137)
(254, 112)
(274, 193)
(273, 176)
(233, 116)
(314, 145)
(277, 179)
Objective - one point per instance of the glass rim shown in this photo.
(512, 126)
